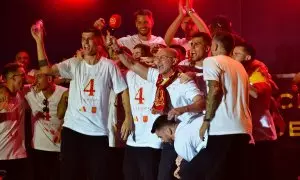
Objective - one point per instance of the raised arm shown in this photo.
(37, 32)
(201, 25)
(175, 25)
(126, 59)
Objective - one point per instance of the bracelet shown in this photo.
(43, 63)
(206, 120)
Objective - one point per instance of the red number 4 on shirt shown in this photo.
(139, 96)
(90, 88)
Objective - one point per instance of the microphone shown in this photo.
(115, 22)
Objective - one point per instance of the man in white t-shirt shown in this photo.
(144, 23)
(184, 135)
(183, 101)
(227, 117)
(43, 100)
(142, 151)
(190, 23)
(13, 156)
(84, 146)
(193, 67)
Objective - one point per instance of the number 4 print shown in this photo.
(139, 96)
(90, 88)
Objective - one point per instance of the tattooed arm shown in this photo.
(213, 100)
(4, 96)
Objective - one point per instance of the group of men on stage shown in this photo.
(194, 108)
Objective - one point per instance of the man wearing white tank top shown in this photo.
(43, 99)
(144, 23)
(13, 156)
(84, 146)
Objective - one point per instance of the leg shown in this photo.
(96, 158)
(16, 169)
(71, 155)
(148, 161)
(167, 164)
(131, 169)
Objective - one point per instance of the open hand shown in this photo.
(127, 128)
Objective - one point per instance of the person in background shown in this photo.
(264, 131)
(190, 23)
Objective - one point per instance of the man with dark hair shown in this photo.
(189, 21)
(23, 58)
(84, 147)
(144, 23)
(184, 135)
(264, 131)
(227, 117)
(200, 48)
(13, 156)
(193, 67)
(43, 99)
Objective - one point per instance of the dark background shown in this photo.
(272, 26)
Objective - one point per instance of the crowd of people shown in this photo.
(191, 108)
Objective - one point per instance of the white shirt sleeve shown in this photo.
(191, 90)
(211, 69)
(117, 79)
(65, 68)
(152, 75)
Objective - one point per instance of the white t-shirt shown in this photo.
(181, 94)
(187, 141)
(12, 137)
(45, 129)
(87, 111)
(131, 41)
(233, 114)
(142, 95)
